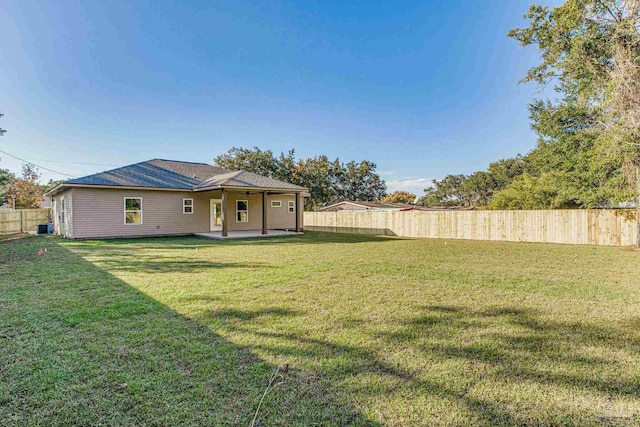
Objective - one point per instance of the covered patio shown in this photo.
(245, 212)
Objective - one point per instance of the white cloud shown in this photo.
(386, 173)
(412, 185)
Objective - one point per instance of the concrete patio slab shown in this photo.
(246, 234)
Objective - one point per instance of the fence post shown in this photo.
(21, 221)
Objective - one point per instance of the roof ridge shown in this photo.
(232, 175)
(183, 161)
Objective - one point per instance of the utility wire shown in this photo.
(72, 163)
(38, 166)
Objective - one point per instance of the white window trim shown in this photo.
(279, 203)
(184, 206)
(237, 210)
(291, 206)
(124, 219)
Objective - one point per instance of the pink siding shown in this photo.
(100, 212)
(64, 229)
(280, 218)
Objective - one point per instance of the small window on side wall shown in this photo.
(187, 206)
(292, 206)
(132, 210)
(242, 211)
(276, 204)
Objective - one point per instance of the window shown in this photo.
(292, 206)
(133, 210)
(242, 211)
(276, 203)
(187, 206)
(62, 210)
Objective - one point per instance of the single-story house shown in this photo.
(166, 197)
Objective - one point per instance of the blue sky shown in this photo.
(423, 89)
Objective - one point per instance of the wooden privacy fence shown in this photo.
(579, 226)
(25, 220)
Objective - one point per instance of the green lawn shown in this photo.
(361, 331)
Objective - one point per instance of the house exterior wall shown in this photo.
(277, 218)
(280, 218)
(63, 228)
(99, 212)
(255, 211)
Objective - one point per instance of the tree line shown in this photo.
(328, 180)
(588, 147)
(587, 152)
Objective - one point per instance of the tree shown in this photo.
(6, 178)
(568, 159)
(53, 183)
(399, 197)
(504, 171)
(358, 181)
(251, 160)
(316, 174)
(591, 50)
(25, 191)
(327, 181)
(478, 188)
(448, 191)
(2, 131)
(530, 192)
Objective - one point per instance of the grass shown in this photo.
(362, 331)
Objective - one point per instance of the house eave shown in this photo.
(304, 191)
(63, 186)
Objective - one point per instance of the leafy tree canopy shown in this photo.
(328, 181)
(588, 148)
(6, 178)
(590, 51)
(25, 191)
(399, 197)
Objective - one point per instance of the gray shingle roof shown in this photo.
(158, 173)
(246, 179)
(201, 171)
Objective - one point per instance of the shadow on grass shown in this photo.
(81, 347)
(499, 347)
(542, 352)
(159, 265)
(193, 242)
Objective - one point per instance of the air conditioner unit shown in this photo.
(45, 228)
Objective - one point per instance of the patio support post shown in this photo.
(224, 213)
(299, 211)
(264, 212)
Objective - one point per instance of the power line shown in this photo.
(38, 166)
(72, 163)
